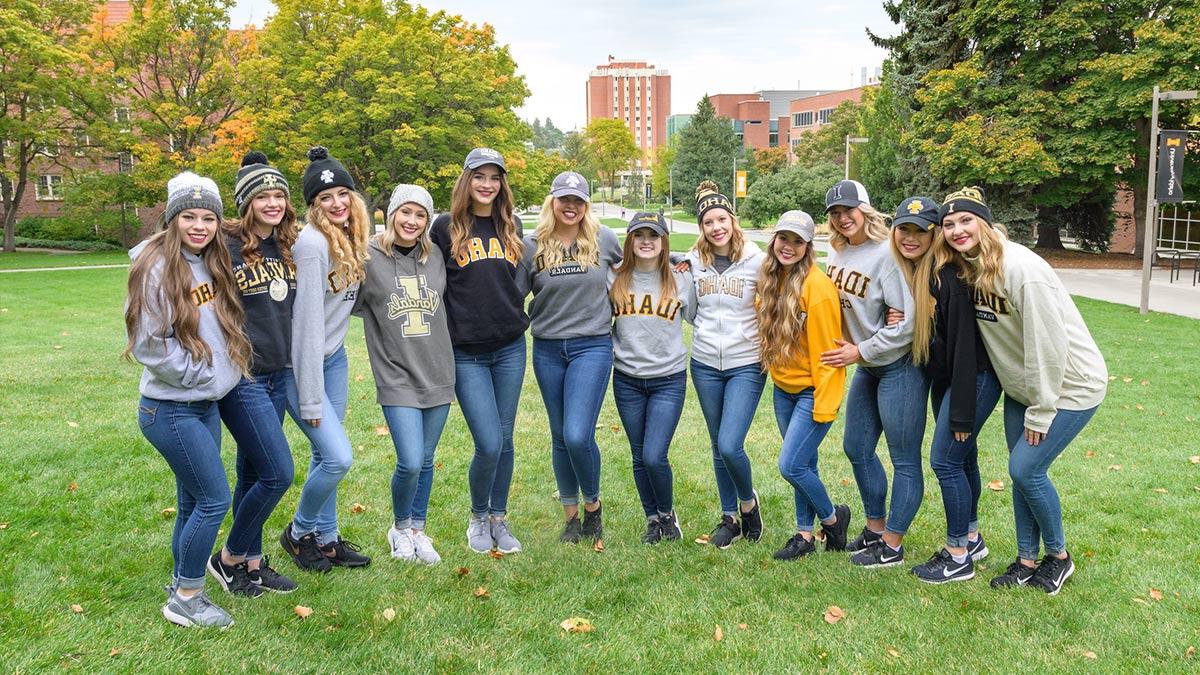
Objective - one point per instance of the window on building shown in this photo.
(48, 188)
(802, 119)
(121, 116)
(81, 142)
(125, 162)
(823, 115)
(773, 139)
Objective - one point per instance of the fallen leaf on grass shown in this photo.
(1127, 379)
(462, 572)
(64, 333)
(616, 428)
(389, 614)
(1145, 383)
(834, 614)
(3, 526)
(1140, 600)
(1090, 454)
(893, 652)
(1156, 594)
(845, 481)
(78, 609)
(1194, 459)
(718, 634)
(1090, 655)
(1140, 406)
(1190, 652)
(302, 611)
(382, 431)
(577, 624)
(73, 425)
(114, 651)
(482, 593)
(1114, 467)
(495, 555)
(1161, 491)
(357, 508)
(167, 512)
(702, 539)
(437, 465)
(73, 486)
(359, 378)
(58, 346)
(742, 626)
(996, 485)
(598, 547)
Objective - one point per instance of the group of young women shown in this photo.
(237, 322)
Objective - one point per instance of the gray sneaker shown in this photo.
(197, 610)
(505, 541)
(479, 535)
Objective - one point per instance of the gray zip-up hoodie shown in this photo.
(402, 306)
(171, 373)
(726, 334)
(869, 282)
(569, 300)
(648, 329)
(320, 317)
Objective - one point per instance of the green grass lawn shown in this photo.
(34, 259)
(82, 523)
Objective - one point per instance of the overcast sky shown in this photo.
(730, 46)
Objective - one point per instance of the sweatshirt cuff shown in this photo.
(823, 417)
(1038, 421)
(310, 412)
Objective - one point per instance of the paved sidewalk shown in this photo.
(1125, 287)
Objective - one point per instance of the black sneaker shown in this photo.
(796, 547)
(1016, 575)
(941, 568)
(977, 549)
(878, 555)
(270, 580)
(593, 524)
(304, 551)
(345, 554)
(1052, 573)
(653, 532)
(669, 526)
(727, 532)
(235, 579)
(835, 534)
(863, 540)
(752, 524)
(571, 531)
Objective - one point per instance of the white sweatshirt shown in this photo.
(726, 334)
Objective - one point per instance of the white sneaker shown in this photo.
(402, 545)
(424, 548)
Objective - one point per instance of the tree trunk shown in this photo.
(1138, 183)
(1047, 235)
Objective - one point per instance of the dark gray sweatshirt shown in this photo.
(569, 300)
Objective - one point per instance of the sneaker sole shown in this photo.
(980, 554)
(509, 551)
(181, 620)
(731, 542)
(349, 564)
(280, 591)
(938, 582)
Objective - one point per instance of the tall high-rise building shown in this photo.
(636, 93)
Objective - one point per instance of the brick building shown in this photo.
(635, 92)
(761, 119)
(812, 112)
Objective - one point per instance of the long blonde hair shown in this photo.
(986, 272)
(917, 274)
(737, 242)
(779, 312)
(461, 218)
(875, 224)
(619, 293)
(176, 307)
(387, 239)
(550, 248)
(347, 246)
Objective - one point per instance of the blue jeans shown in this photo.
(887, 400)
(331, 453)
(728, 399)
(798, 455)
(650, 410)
(1036, 508)
(956, 463)
(415, 433)
(573, 376)
(488, 388)
(253, 413)
(188, 436)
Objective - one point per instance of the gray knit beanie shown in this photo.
(189, 191)
(405, 193)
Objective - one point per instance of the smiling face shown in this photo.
(268, 207)
(911, 241)
(485, 184)
(568, 211)
(409, 223)
(335, 203)
(717, 227)
(850, 222)
(961, 231)
(196, 228)
(788, 248)
(647, 245)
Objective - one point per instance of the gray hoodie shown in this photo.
(320, 317)
(171, 373)
(569, 300)
(648, 331)
(869, 282)
(402, 305)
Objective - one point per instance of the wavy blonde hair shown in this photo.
(918, 274)
(737, 242)
(285, 234)
(619, 293)
(461, 219)
(778, 307)
(874, 223)
(347, 246)
(550, 248)
(986, 272)
(387, 239)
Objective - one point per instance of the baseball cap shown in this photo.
(797, 222)
(480, 156)
(646, 219)
(570, 184)
(919, 211)
(846, 193)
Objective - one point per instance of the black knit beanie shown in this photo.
(708, 197)
(255, 176)
(969, 199)
(322, 173)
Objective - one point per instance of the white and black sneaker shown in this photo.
(1015, 576)
(752, 522)
(879, 554)
(863, 540)
(977, 549)
(653, 532)
(835, 534)
(1052, 573)
(796, 547)
(234, 579)
(669, 526)
(942, 568)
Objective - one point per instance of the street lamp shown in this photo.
(852, 139)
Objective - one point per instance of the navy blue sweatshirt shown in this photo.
(484, 302)
(956, 354)
(268, 288)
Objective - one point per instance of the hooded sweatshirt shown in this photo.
(405, 325)
(869, 282)
(268, 289)
(726, 334)
(569, 300)
(171, 373)
(320, 317)
(647, 329)
(956, 352)
(821, 319)
(1041, 349)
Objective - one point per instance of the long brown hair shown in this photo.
(917, 274)
(550, 248)
(347, 249)
(779, 312)
(619, 293)
(737, 242)
(461, 218)
(174, 303)
(285, 234)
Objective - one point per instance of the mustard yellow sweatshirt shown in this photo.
(821, 314)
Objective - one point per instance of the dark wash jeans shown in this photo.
(650, 410)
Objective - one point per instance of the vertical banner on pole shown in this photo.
(741, 184)
(1168, 186)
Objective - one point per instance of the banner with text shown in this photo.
(1171, 147)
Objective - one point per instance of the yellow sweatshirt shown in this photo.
(821, 313)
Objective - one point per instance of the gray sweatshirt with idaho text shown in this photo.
(868, 283)
(648, 328)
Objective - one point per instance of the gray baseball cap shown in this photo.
(646, 219)
(481, 156)
(846, 193)
(797, 222)
(570, 184)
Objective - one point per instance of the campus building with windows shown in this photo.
(636, 93)
(761, 119)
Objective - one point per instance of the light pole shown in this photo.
(671, 197)
(852, 139)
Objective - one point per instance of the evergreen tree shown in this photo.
(706, 151)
